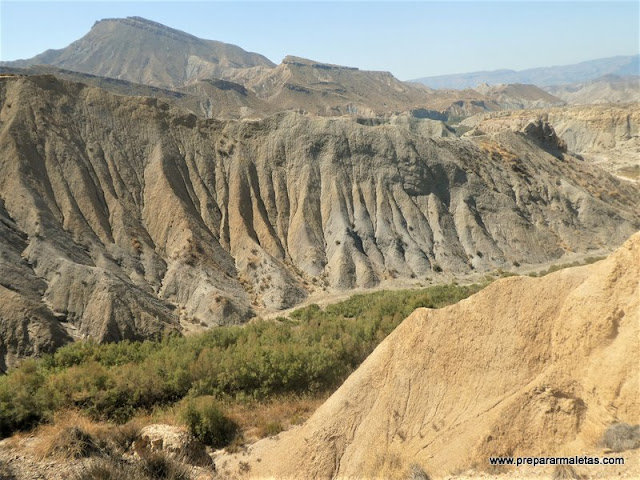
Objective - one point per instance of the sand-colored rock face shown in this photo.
(174, 441)
(526, 367)
(133, 217)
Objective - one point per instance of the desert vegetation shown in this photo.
(620, 437)
(307, 354)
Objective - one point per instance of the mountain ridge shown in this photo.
(163, 57)
(540, 76)
(148, 53)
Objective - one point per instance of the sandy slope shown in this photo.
(528, 366)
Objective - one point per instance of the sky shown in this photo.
(409, 39)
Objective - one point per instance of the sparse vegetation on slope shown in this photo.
(312, 351)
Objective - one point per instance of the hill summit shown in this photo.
(143, 51)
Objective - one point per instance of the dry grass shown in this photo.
(6, 472)
(389, 465)
(565, 472)
(154, 467)
(109, 469)
(73, 435)
(263, 419)
(498, 152)
(160, 466)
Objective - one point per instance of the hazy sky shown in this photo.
(410, 39)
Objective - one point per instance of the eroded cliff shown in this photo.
(134, 217)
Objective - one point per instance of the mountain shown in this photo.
(527, 367)
(146, 52)
(134, 56)
(127, 217)
(518, 96)
(321, 88)
(544, 76)
(606, 89)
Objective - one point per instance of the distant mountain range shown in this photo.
(544, 76)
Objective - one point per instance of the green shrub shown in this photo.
(207, 423)
(312, 351)
(23, 403)
(273, 428)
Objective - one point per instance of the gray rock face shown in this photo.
(126, 217)
(134, 56)
(27, 327)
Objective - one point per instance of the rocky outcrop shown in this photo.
(608, 135)
(27, 326)
(218, 80)
(134, 217)
(526, 367)
(173, 441)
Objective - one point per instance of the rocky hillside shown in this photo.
(326, 89)
(142, 51)
(132, 217)
(526, 367)
(606, 135)
(518, 96)
(607, 89)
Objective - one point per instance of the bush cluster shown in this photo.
(207, 422)
(312, 351)
(153, 467)
(619, 437)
